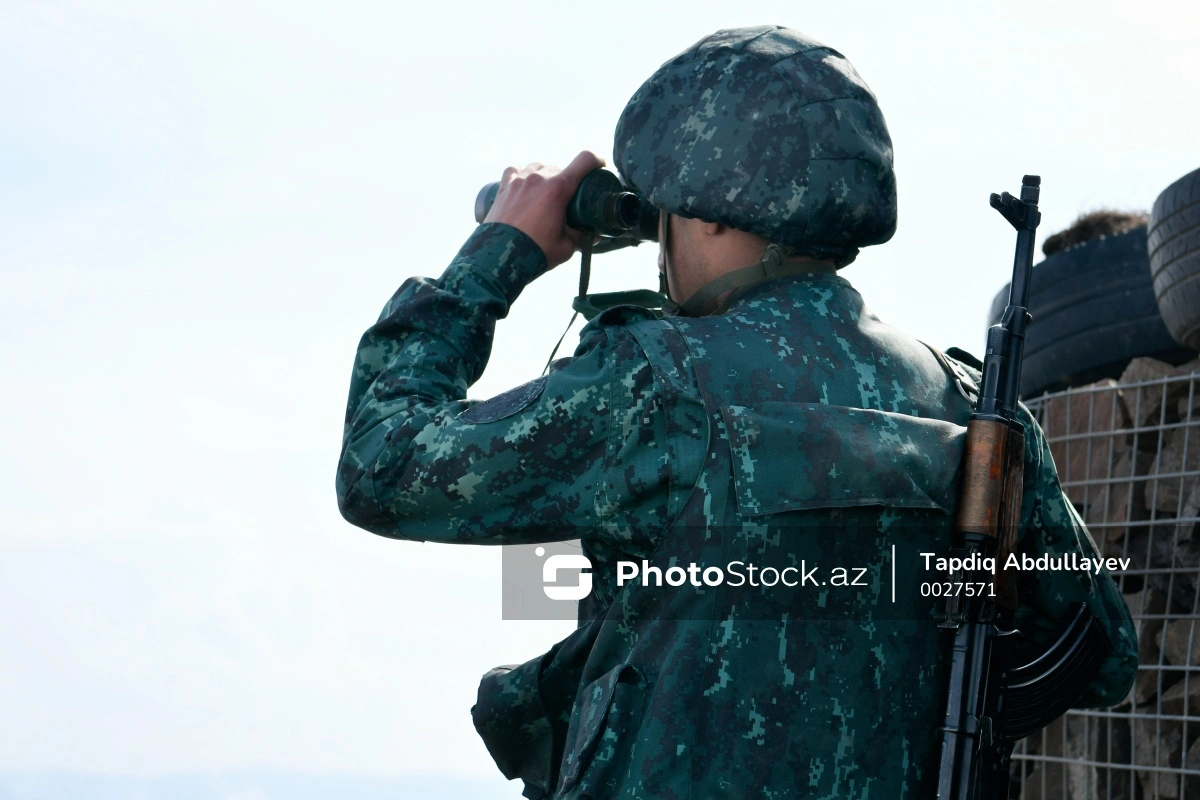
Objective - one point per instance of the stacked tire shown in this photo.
(1174, 250)
(1094, 311)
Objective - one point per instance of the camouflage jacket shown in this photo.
(793, 432)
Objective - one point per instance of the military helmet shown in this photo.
(768, 131)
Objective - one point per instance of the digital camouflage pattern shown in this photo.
(767, 131)
(795, 427)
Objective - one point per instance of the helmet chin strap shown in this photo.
(773, 264)
(664, 243)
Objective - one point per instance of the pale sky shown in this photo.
(203, 206)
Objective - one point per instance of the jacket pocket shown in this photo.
(511, 718)
(604, 723)
(799, 456)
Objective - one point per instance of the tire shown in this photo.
(1093, 312)
(1174, 249)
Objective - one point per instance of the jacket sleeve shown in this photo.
(1054, 528)
(537, 463)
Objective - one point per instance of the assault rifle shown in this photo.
(990, 704)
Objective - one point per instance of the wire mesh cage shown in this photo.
(1128, 458)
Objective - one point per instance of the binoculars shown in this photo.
(602, 205)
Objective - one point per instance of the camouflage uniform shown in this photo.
(794, 430)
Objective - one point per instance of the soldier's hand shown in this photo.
(534, 201)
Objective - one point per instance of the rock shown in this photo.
(1189, 368)
(1082, 738)
(1182, 699)
(1158, 743)
(1145, 685)
(1076, 749)
(1179, 456)
(1179, 585)
(1172, 563)
(1190, 513)
(1119, 500)
(1181, 645)
(1048, 780)
(1044, 783)
(1143, 604)
(1146, 405)
(1188, 406)
(1192, 762)
(1085, 430)
(1114, 747)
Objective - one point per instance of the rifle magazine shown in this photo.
(1037, 693)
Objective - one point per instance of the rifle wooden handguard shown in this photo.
(992, 483)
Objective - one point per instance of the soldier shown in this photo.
(773, 421)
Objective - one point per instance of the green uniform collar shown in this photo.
(773, 264)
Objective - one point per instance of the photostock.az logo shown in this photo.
(565, 561)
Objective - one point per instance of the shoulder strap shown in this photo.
(962, 379)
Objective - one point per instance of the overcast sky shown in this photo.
(202, 207)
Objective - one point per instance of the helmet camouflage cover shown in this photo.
(767, 131)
